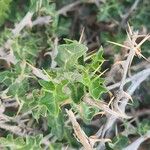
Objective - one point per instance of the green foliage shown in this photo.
(119, 142)
(68, 84)
(20, 143)
(91, 77)
(77, 91)
(57, 125)
(86, 112)
(96, 88)
(4, 10)
(143, 127)
(67, 81)
(143, 15)
(63, 28)
(76, 74)
(68, 54)
(109, 10)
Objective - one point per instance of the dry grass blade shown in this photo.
(82, 137)
(87, 142)
(14, 129)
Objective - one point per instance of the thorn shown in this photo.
(82, 33)
(145, 39)
(111, 101)
(143, 57)
(119, 44)
(128, 36)
(129, 28)
(128, 96)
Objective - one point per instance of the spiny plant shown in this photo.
(45, 93)
(44, 80)
(42, 94)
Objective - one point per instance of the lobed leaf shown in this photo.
(68, 54)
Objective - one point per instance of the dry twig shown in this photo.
(135, 145)
(133, 50)
(103, 106)
(68, 7)
(87, 142)
(127, 15)
(82, 137)
(130, 79)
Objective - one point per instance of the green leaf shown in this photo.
(86, 112)
(71, 139)
(4, 9)
(57, 89)
(68, 54)
(33, 143)
(119, 142)
(57, 125)
(43, 105)
(48, 85)
(10, 142)
(60, 93)
(86, 79)
(20, 143)
(6, 79)
(50, 102)
(143, 127)
(77, 91)
(18, 88)
(40, 110)
(96, 88)
(55, 146)
(96, 61)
